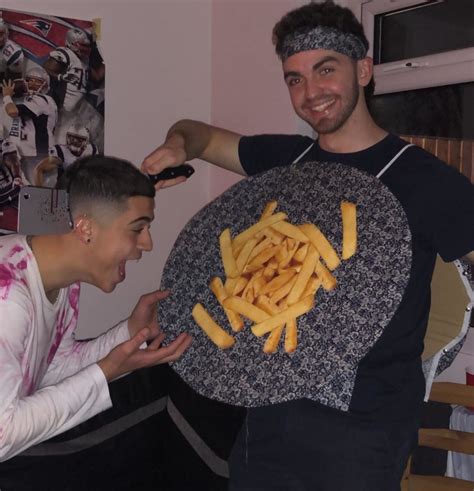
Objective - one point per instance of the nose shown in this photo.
(312, 89)
(145, 243)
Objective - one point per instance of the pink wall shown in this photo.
(157, 55)
(248, 94)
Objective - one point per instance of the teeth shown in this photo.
(321, 107)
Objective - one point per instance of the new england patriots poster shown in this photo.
(52, 78)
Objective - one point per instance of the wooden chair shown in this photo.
(452, 300)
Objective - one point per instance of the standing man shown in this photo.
(33, 118)
(68, 67)
(12, 59)
(49, 381)
(61, 156)
(304, 445)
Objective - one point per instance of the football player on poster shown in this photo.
(33, 117)
(11, 55)
(78, 144)
(67, 49)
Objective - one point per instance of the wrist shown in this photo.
(7, 99)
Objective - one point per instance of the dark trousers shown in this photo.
(136, 445)
(303, 446)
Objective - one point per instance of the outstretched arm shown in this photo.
(143, 327)
(187, 140)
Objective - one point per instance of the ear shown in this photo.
(365, 70)
(83, 228)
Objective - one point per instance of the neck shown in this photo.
(358, 133)
(59, 260)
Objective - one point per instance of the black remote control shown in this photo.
(172, 172)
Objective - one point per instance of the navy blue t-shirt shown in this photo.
(439, 205)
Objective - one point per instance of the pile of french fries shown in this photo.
(273, 270)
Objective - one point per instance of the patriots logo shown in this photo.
(39, 24)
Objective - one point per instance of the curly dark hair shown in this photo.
(312, 15)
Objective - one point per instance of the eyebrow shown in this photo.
(315, 66)
(140, 219)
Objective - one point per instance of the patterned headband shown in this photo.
(322, 37)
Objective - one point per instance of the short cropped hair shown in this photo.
(103, 182)
(324, 14)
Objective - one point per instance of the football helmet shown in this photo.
(77, 138)
(8, 147)
(37, 81)
(78, 41)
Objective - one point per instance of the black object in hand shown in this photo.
(172, 172)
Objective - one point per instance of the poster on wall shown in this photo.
(52, 78)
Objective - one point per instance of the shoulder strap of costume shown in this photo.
(303, 154)
(394, 159)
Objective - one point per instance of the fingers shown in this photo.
(171, 352)
(134, 343)
(153, 297)
(158, 160)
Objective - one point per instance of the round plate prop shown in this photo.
(345, 322)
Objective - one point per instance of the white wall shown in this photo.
(157, 56)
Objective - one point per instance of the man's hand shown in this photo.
(145, 314)
(169, 154)
(128, 356)
(8, 88)
(70, 78)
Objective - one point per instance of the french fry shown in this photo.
(259, 285)
(278, 282)
(282, 292)
(290, 230)
(265, 304)
(215, 332)
(349, 229)
(292, 248)
(228, 259)
(291, 336)
(275, 237)
(261, 246)
(300, 254)
(294, 311)
(220, 293)
(244, 254)
(263, 257)
(271, 343)
(282, 252)
(329, 282)
(322, 245)
(312, 286)
(260, 225)
(269, 209)
(269, 272)
(239, 284)
(307, 270)
(246, 309)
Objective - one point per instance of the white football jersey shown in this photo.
(11, 58)
(79, 76)
(33, 129)
(67, 158)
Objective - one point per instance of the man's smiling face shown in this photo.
(323, 87)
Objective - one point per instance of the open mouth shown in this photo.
(121, 269)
